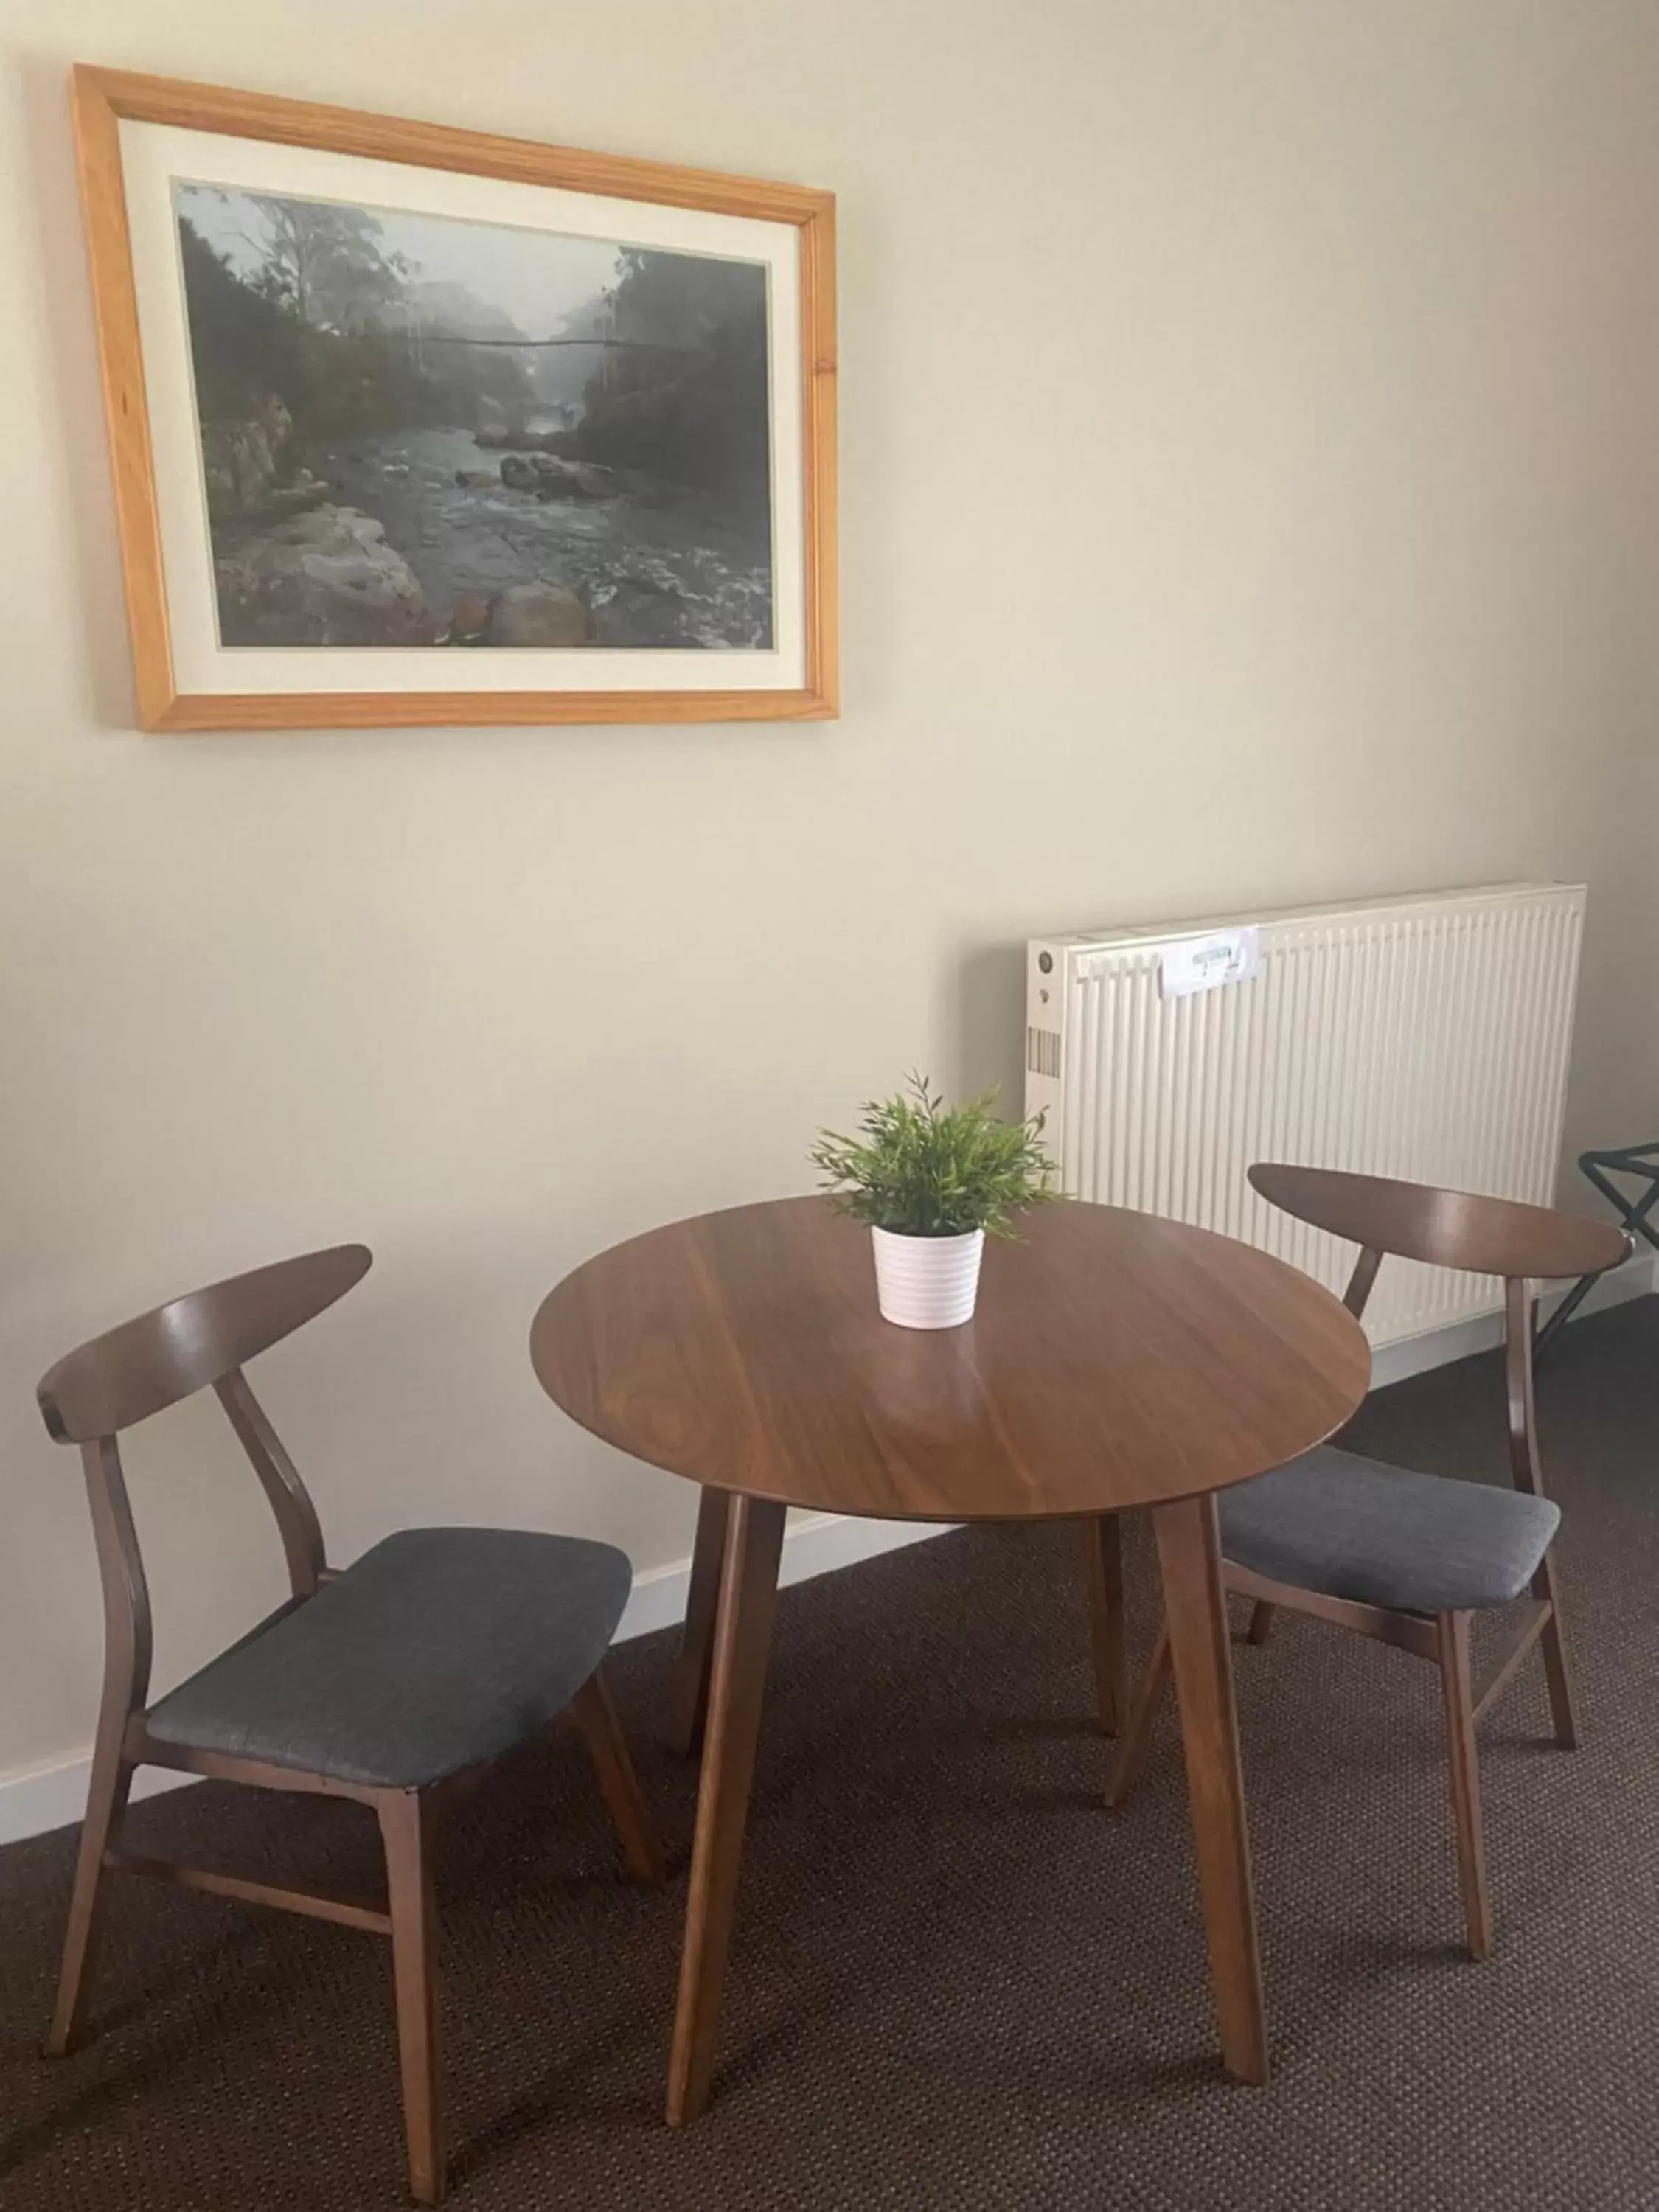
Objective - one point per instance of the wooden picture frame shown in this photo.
(180, 651)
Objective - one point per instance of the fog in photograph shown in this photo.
(420, 431)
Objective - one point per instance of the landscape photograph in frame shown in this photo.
(554, 440)
(411, 425)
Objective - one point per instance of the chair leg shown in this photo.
(596, 1716)
(1134, 1739)
(1262, 1622)
(1102, 1547)
(1520, 1316)
(1452, 1635)
(405, 1829)
(106, 1798)
(1556, 1673)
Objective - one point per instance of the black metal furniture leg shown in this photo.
(1634, 1215)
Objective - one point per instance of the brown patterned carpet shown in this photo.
(958, 1982)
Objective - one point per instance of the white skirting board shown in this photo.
(45, 1797)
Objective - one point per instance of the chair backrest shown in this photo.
(1445, 1228)
(131, 1372)
(145, 1366)
(1453, 1228)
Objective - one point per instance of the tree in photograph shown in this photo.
(242, 344)
(327, 262)
(684, 395)
(327, 330)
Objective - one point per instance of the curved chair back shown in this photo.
(150, 1364)
(1453, 1228)
(135, 1370)
(1445, 1228)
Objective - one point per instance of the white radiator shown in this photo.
(1426, 1037)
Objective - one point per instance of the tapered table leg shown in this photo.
(691, 1672)
(1103, 1577)
(1195, 1609)
(743, 1635)
(1134, 1738)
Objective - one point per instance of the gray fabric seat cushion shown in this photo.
(439, 1648)
(1358, 1528)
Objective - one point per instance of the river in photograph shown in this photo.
(655, 565)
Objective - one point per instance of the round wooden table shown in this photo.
(1116, 1361)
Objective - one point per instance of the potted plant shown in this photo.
(933, 1181)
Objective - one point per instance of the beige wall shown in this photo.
(1247, 489)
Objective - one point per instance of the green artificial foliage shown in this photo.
(922, 1169)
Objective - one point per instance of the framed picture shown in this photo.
(415, 425)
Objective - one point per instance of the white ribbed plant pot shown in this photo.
(926, 1282)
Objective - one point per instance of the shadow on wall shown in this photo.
(40, 111)
(985, 1026)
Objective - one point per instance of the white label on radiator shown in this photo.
(1203, 964)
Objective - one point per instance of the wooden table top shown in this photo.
(1116, 1360)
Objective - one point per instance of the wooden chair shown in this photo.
(1410, 1558)
(394, 1681)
